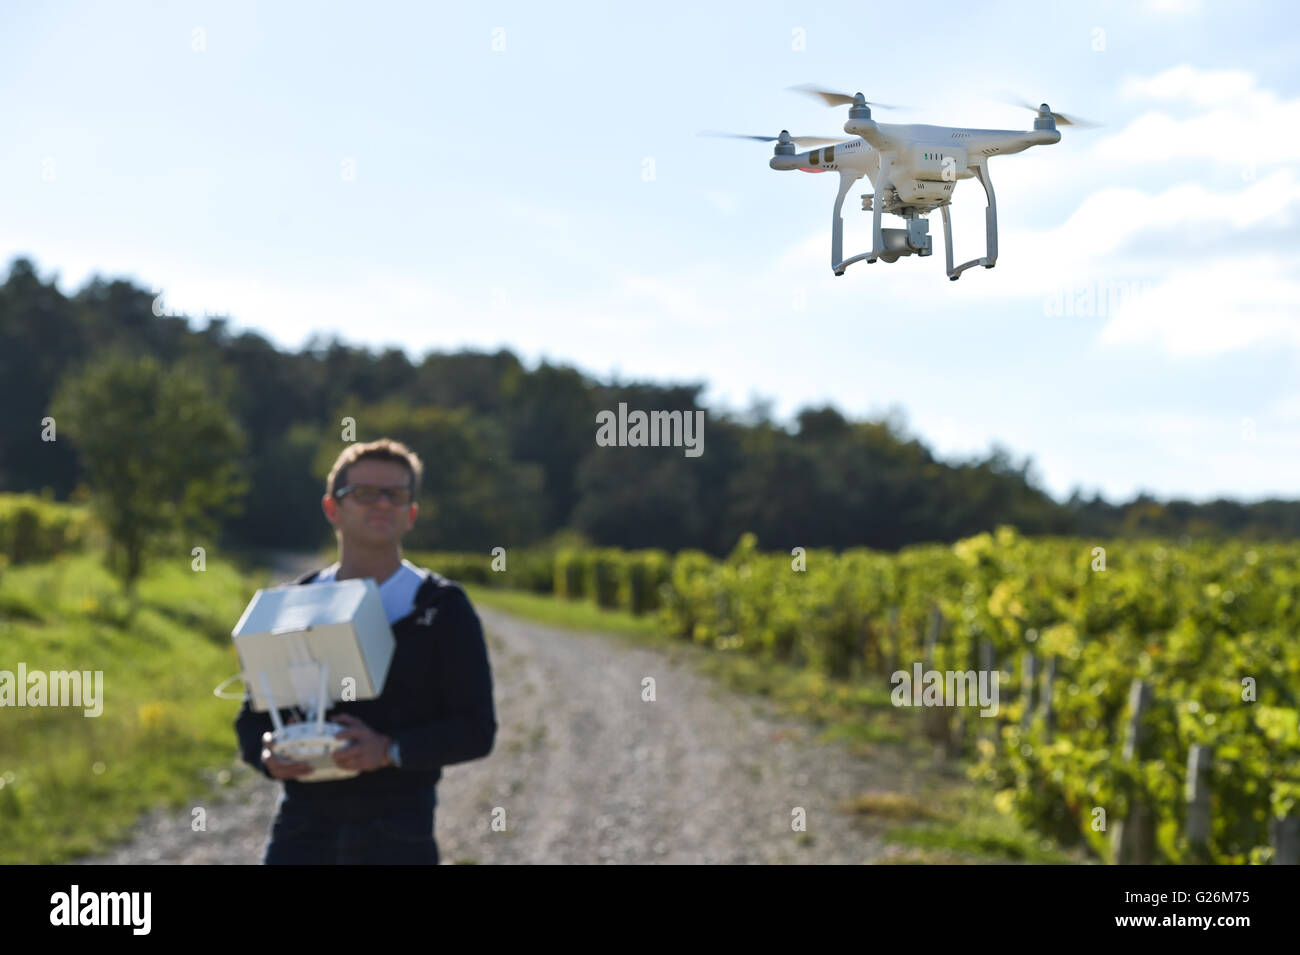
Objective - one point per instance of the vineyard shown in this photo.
(1147, 690)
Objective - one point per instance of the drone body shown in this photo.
(913, 170)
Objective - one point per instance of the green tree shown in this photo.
(39, 337)
(474, 495)
(161, 455)
(639, 498)
(550, 418)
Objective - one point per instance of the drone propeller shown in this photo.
(1061, 118)
(785, 137)
(833, 98)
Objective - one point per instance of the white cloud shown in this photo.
(1215, 307)
(1287, 407)
(1187, 455)
(1110, 219)
(1241, 124)
(550, 219)
(727, 203)
(1232, 292)
(1175, 6)
(1185, 82)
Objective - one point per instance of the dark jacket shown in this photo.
(436, 703)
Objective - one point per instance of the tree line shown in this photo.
(248, 432)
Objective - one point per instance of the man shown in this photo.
(436, 707)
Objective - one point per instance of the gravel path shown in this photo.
(585, 771)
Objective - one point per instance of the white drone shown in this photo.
(912, 169)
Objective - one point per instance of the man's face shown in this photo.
(382, 522)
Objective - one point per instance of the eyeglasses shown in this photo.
(368, 494)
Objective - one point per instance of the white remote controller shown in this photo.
(306, 743)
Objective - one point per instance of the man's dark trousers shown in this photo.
(392, 837)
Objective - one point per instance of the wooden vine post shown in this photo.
(1135, 835)
(936, 718)
(1197, 792)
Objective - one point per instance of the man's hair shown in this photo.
(384, 449)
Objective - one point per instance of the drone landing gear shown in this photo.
(990, 256)
(887, 244)
(838, 265)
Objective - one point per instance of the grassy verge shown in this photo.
(570, 615)
(72, 785)
(953, 821)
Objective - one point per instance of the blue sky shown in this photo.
(439, 176)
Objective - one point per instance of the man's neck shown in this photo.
(355, 562)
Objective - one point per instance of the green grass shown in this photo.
(982, 839)
(575, 615)
(953, 825)
(72, 785)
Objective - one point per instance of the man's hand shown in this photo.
(282, 768)
(369, 750)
